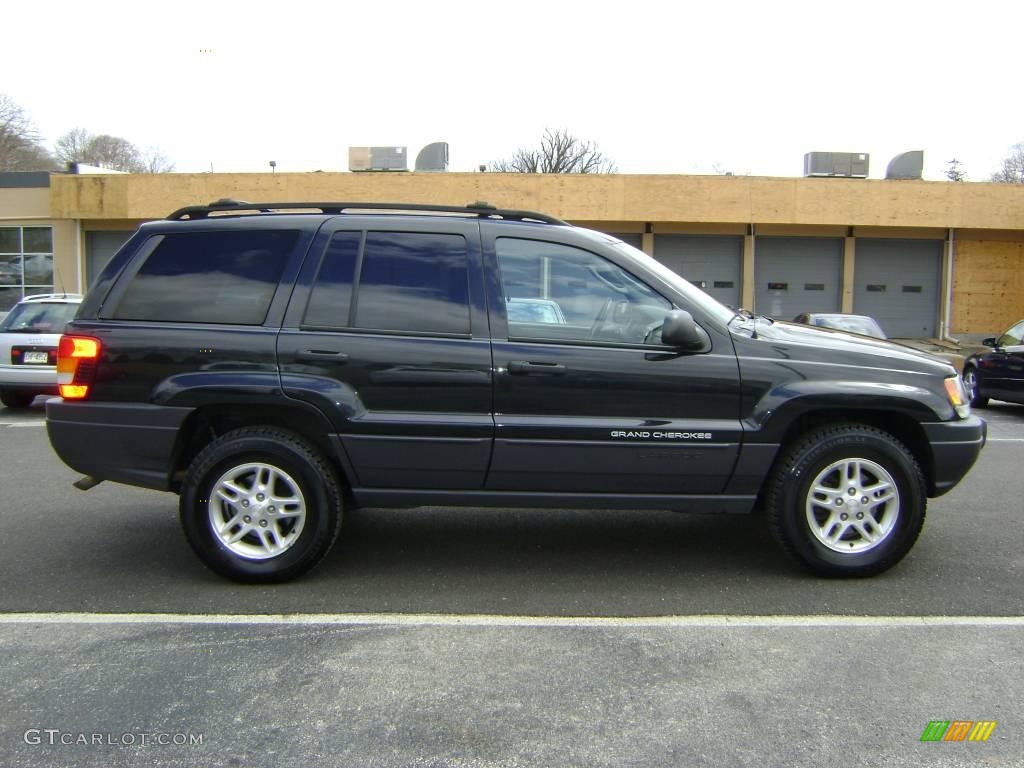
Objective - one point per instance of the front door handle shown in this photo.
(525, 368)
(321, 356)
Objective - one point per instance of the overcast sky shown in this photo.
(662, 87)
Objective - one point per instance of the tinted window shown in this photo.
(591, 298)
(332, 294)
(209, 277)
(413, 282)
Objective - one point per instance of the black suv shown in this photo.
(273, 363)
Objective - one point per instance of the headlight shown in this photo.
(958, 396)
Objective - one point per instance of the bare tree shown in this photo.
(73, 146)
(80, 146)
(559, 152)
(1012, 171)
(21, 147)
(955, 170)
(156, 161)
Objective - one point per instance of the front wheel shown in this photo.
(847, 500)
(260, 505)
(977, 400)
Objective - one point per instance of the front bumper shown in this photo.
(955, 447)
(124, 442)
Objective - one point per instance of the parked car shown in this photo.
(868, 326)
(10, 271)
(862, 324)
(29, 335)
(998, 374)
(534, 311)
(272, 367)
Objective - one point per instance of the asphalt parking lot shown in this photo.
(443, 637)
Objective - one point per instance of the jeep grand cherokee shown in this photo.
(273, 363)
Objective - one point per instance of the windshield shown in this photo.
(689, 290)
(39, 317)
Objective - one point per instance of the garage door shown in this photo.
(632, 238)
(897, 282)
(711, 262)
(100, 247)
(797, 274)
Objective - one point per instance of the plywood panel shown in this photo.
(988, 285)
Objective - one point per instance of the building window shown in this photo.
(26, 263)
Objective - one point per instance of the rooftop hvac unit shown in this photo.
(433, 157)
(853, 165)
(908, 165)
(377, 159)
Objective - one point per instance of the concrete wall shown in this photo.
(622, 198)
(24, 203)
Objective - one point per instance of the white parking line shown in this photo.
(1006, 439)
(491, 620)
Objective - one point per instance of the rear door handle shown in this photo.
(321, 355)
(525, 368)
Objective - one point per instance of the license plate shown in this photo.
(36, 358)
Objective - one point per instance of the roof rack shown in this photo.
(481, 209)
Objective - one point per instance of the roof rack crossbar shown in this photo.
(481, 209)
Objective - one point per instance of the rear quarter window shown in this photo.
(209, 277)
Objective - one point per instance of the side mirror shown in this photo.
(680, 330)
(989, 342)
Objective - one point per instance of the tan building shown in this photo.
(928, 259)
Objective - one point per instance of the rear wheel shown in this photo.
(260, 505)
(14, 399)
(847, 500)
(971, 385)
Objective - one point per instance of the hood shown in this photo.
(825, 344)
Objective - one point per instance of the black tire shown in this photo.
(296, 468)
(971, 385)
(819, 459)
(16, 400)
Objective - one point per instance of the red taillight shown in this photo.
(76, 365)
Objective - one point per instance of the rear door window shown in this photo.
(404, 282)
(209, 277)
